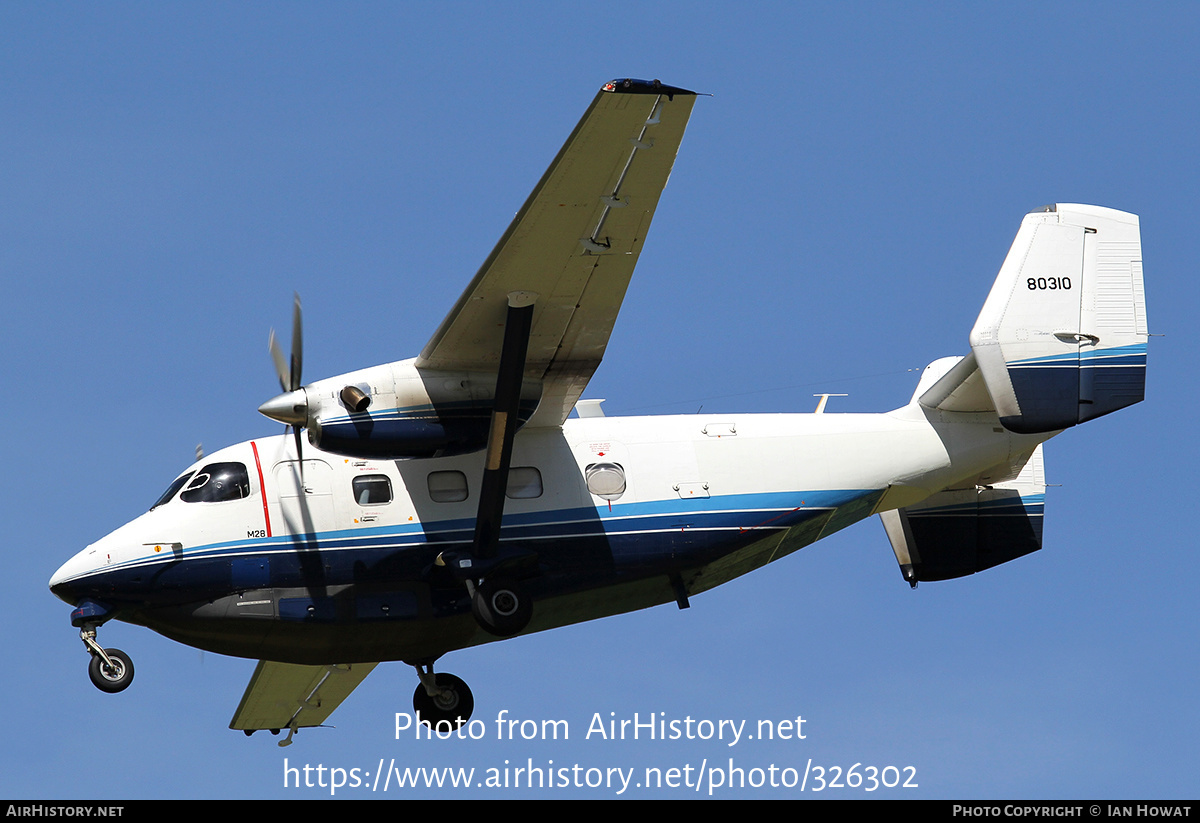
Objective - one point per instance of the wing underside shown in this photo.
(574, 243)
(284, 695)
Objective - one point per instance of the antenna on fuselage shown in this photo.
(199, 452)
(825, 399)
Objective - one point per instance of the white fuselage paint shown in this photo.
(674, 465)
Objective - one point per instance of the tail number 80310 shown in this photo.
(1049, 283)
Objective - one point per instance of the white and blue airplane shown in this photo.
(447, 500)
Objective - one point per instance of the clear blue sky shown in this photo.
(836, 216)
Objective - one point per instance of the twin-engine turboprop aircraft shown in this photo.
(418, 520)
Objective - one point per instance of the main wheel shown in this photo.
(453, 704)
(501, 607)
(114, 678)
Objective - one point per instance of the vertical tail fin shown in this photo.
(1062, 336)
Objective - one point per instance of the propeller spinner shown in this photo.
(291, 407)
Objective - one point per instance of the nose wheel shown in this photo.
(113, 674)
(111, 670)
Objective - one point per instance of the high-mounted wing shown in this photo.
(288, 696)
(574, 244)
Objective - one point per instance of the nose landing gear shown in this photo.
(111, 670)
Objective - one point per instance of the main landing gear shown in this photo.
(501, 607)
(500, 602)
(111, 670)
(442, 701)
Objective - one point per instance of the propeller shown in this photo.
(291, 407)
(289, 370)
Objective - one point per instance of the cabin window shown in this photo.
(605, 480)
(170, 493)
(372, 490)
(447, 487)
(216, 483)
(524, 483)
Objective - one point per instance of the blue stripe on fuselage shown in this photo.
(628, 535)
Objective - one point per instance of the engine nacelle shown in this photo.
(410, 413)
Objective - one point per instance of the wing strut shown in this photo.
(504, 423)
(500, 603)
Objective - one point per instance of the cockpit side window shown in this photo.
(216, 483)
(170, 493)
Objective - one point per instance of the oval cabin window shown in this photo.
(605, 480)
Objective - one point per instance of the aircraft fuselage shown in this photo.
(619, 513)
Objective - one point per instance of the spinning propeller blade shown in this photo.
(291, 407)
(297, 344)
(289, 369)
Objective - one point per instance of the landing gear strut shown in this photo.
(111, 670)
(442, 701)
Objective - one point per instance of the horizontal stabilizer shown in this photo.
(958, 532)
(960, 387)
(1062, 336)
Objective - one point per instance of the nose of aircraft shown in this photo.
(61, 584)
(59, 587)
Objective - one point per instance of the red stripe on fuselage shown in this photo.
(262, 488)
